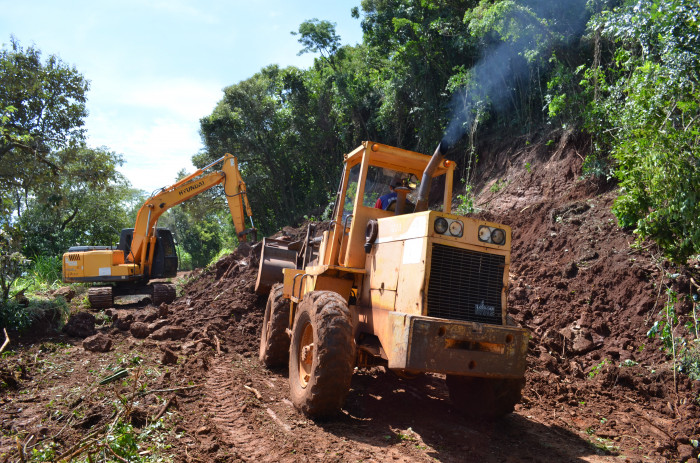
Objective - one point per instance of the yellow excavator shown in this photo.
(146, 252)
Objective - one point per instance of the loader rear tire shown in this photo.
(274, 340)
(163, 292)
(101, 297)
(322, 356)
(486, 398)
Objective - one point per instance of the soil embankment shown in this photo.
(598, 389)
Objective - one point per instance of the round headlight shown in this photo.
(456, 228)
(484, 233)
(498, 236)
(440, 225)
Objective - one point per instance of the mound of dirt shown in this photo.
(589, 299)
(598, 388)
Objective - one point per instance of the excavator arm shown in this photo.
(143, 243)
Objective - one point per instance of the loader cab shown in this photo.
(369, 171)
(164, 257)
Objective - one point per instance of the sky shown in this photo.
(156, 67)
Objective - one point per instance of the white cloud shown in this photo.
(154, 152)
(153, 123)
(184, 97)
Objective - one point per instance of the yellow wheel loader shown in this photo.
(146, 252)
(393, 283)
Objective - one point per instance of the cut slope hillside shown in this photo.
(598, 389)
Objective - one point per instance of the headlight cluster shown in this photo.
(449, 227)
(492, 235)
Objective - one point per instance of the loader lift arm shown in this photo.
(143, 244)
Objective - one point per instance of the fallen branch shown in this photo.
(254, 391)
(218, 345)
(274, 416)
(163, 409)
(71, 451)
(7, 340)
(655, 426)
(114, 454)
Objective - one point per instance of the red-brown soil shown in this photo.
(598, 388)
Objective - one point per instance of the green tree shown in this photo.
(650, 96)
(43, 107)
(12, 263)
(86, 205)
(270, 123)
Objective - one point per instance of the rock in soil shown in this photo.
(66, 292)
(80, 325)
(169, 357)
(140, 330)
(98, 343)
(170, 332)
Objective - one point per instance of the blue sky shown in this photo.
(156, 67)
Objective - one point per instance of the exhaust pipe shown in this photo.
(424, 190)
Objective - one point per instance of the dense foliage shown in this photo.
(650, 95)
(624, 72)
(54, 190)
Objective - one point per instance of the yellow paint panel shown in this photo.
(411, 289)
(339, 285)
(382, 299)
(384, 265)
(289, 274)
(403, 227)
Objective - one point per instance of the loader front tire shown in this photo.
(274, 340)
(486, 398)
(322, 356)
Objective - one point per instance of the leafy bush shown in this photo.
(14, 316)
(684, 354)
(649, 114)
(184, 258)
(44, 273)
(222, 252)
(18, 317)
(12, 262)
(466, 202)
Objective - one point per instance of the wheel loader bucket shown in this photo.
(274, 256)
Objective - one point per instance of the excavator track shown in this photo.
(163, 292)
(101, 297)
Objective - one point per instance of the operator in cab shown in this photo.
(384, 201)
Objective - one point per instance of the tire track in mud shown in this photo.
(240, 423)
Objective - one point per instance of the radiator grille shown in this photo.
(465, 285)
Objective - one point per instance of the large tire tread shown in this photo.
(334, 355)
(274, 340)
(163, 292)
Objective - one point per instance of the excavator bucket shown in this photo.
(274, 256)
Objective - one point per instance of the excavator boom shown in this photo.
(190, 186)
(134, 260)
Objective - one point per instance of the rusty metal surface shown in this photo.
(426, 344)
(274, 257)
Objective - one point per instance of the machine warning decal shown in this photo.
(105, 271)
(484, 310)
